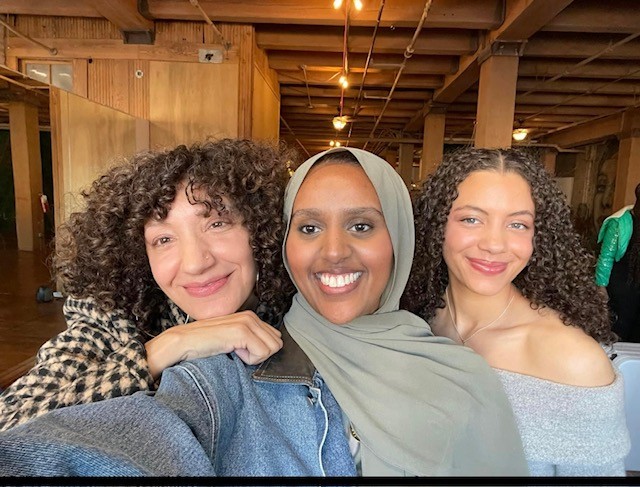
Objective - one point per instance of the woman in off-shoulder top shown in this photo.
(500, 269)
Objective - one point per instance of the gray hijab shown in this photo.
(420, 404)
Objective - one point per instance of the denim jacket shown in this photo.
(213, 416)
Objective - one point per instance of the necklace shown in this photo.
(455, 327)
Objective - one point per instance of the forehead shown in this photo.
(332, 183)
(496, 188)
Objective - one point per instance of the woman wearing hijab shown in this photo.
(359, 386)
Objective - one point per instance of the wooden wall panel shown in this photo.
(172, 32)
(108, 83)
(205, 105)
(265, 120)
(113, 82)
(79, 155)
(139, 89)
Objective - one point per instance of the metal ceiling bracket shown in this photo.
(502, 48)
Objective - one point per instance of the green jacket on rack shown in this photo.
(615, 234)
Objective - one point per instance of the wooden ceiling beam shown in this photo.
(111, 49)
(586, 133)
(597, 16)
(559, 45)
(547, 68)
(330, 39)
(288, 101)
(620, 101)
(522, 19)
(322, 61)
(351, 93)
(363, 112)
(54, 8)
(124, 14)
(573, 86)
(479, 14)
(327, 78)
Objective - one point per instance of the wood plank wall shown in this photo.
(117, 75)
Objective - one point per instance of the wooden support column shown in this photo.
(432, 141)
(628, 170)
(27, 173)
(391, 156)
(549, 161)
(406, 163)
(497, 96)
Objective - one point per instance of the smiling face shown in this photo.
(489, 233)
(204, 264)
(338, 247)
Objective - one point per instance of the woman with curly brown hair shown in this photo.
(499, 269)
(175, 256)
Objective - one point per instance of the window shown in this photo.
(56, 74)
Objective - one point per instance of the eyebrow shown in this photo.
(316, 213)
(480, 210)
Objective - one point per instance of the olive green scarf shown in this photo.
(420, 404)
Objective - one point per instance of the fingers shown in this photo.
(252, 339)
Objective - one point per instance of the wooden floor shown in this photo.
(25, 324)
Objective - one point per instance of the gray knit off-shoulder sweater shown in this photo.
(569, 430)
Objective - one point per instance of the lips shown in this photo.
(202, 290)
(488, 267)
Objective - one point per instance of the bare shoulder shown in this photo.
(566, 354)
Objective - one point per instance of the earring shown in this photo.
(257, 276)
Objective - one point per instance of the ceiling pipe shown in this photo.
(407, 54)
(52, 50)
(225, 43)
(462, 140)
(306, 83)
(584, 62)
(294, 136)
(570, 70)
(573, 97)
(356, 106)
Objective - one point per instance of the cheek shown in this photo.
(161, 267)
(524, 247)
(295, 256)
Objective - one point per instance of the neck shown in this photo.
(471, 312)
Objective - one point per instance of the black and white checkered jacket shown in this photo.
(99, 356)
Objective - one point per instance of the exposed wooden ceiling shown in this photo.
(580, 59)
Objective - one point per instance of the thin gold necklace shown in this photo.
(455, 327)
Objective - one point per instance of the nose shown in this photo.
(493, 239)
(196, 255)
(335, 245)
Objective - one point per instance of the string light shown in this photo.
(357, 4)
(343, 81)
(337, 4)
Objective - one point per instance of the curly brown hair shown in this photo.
(101, 251)
(560, 274)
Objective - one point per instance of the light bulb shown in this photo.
(338, 144)
(357, 4)
(337, 4)
(332, 143)
(520, 134)
(339, 123)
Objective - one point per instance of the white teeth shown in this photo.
(340, 280)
